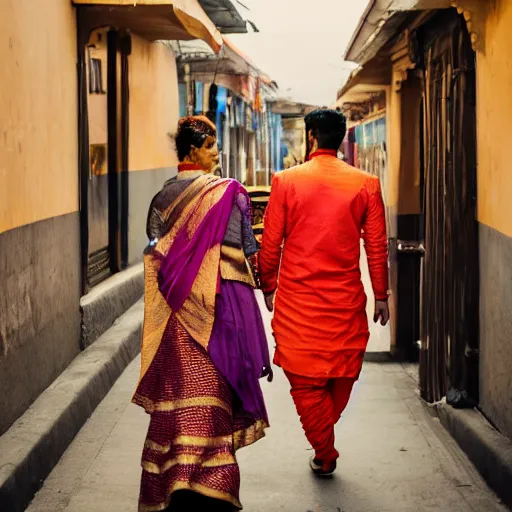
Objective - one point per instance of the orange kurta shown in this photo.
(311, 246)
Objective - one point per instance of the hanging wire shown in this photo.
(243, 5)
(218, 64)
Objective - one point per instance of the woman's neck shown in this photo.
(189, 166)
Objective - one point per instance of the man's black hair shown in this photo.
(328, 127)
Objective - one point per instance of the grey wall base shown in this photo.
(39, 313)
(488, 450)
(496, 327)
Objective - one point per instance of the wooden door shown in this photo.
(450, 281)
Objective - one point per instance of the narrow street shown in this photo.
(395, 456)
(118, 117)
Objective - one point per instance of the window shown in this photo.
(95, 77)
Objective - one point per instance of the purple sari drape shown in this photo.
(181, 264)
(238, 346)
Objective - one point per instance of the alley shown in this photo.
(120, 116)
(394, 455)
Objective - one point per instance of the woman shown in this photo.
(204, 347)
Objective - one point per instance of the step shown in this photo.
(488, 449)
(108, 301)
(31, 448)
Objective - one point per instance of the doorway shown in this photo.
(104, 102)
(450, 274)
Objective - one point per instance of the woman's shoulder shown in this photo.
(230, 182)
(168, 193)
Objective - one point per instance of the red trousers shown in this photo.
(320, 403)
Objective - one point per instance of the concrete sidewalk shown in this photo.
(395, 456)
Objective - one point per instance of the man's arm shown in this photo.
(376, 246)
(273, 235)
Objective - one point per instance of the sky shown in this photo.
(301, 44)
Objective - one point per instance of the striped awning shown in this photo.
(153, 19)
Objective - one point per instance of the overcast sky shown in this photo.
(301, 44)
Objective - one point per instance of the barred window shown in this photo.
(95, 77)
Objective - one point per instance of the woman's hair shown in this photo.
(192, 131)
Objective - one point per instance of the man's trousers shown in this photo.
(320, 403)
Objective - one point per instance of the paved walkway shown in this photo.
(394, 456)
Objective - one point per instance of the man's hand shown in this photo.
(381, 312)
(269, 301)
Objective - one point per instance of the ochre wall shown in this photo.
(154, 113)
(154, 105)
(39, 222)
(97, 103)
(494, 109)
(38, 111)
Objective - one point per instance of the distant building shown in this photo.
(235, 94)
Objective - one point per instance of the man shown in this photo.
(316, 216)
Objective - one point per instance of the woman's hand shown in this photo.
(268, 372)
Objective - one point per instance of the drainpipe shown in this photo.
(190, 96)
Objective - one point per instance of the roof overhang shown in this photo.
(230, 61)
(152, 19)
(360, 94)
(291, 109)
(225, 16)
(367, 80)
(231, 69)
(381, 21)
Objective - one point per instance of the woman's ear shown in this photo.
(193, 153)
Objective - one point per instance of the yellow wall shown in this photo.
(154, 105)
(38, 111)
(494, 110)
(97, 103)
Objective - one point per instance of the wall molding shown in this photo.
(401, 60)
(475, 14)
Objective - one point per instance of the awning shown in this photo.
(152, 19)
(365, 81)
(231, 61)
(231, 68)
(225, 16)
(291, 109)
(381, 20)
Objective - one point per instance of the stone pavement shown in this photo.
(395, 456)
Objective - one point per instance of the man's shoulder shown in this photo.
(305, 170)
(354, 170)
(292, 172)
(363, 177)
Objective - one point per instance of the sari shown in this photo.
(204, 347)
